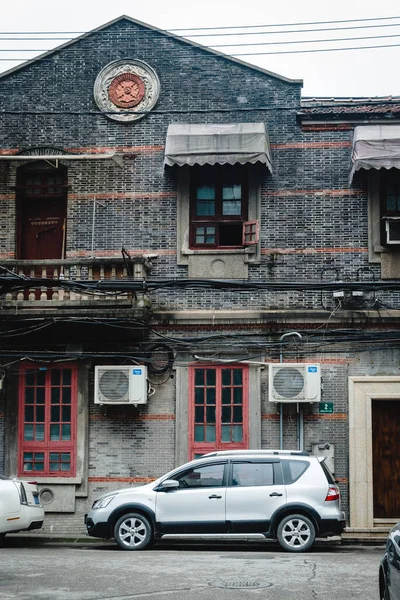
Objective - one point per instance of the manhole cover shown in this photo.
(241, 584)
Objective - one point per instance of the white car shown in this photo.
(20, 508)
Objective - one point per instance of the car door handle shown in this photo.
(275, 494)
(215, 497)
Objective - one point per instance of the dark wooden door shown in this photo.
(42, 205)
(386, 458)
(42, 229)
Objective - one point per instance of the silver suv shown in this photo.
(237, 495)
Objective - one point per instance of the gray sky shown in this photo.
(369, 72)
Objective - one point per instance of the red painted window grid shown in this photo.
(202, 447)
(42, 396)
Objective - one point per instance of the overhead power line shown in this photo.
(277, 43)
(223, 27)
(259, 53)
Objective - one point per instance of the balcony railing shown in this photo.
(79, 269)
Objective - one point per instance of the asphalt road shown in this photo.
(102, 572)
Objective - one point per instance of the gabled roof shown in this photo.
(161, 31)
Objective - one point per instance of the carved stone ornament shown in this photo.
(125, 88)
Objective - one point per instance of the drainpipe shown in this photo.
(299, 420)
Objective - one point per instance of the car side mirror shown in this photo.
(169, 484)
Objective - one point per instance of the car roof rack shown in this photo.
(260, 451)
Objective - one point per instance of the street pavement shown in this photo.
(91, 570)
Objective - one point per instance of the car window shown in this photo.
(205, 476)
(252, 474)
(297, 468)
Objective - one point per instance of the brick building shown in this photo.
(193, 257)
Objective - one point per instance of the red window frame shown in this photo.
(44, 408)
(202, 447)
(219, 219)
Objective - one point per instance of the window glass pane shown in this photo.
(67, 377)
(66, 432)
(198, 433)
(210, 395)
(29, 414)
(199, 414)
(211, 376)
(237, 395)
(55, 395)
(39, 437)
(210, 433)
(29, 395)
(297, 468)
(199, 395)
(40, 377)
(40, 414)
(54, 433)
(226, 433)
(205, 192)
(30, 378)
(65, 466)
(28, 433)
(55, 414)
(237, 414)
(232, 191)
(252, 474)
(226, 376)
(210, 414)
(226, 395)
(66, 395)
(205, 208)
(66, 414)
(226, 414)
(207, 476)
(237, 433)
(40, 395)
(55, 377)
(237, 376)
(231, 208)
(199, 376)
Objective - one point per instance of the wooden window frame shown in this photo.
(218, 219)
(47, 446)
(196, 448)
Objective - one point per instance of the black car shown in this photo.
(389, 570)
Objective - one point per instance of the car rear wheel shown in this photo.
(296, 533)
(133, 532)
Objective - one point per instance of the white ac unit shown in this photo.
(294, 382)
(126, 384)
(392, 226)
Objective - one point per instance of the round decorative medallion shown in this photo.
(126, 90)
(124, 85)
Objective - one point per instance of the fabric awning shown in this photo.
(211, 144)
(375, 147)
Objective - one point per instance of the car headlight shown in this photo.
(103, 502)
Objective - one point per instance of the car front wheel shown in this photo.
(296, 533)
(133, 532)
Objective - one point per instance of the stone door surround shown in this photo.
(362, 390)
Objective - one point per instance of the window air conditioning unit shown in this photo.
(392, 226)
(120, 384)
(295, 382)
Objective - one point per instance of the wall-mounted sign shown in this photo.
(125, 90)
(326, 407)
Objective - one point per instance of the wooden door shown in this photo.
(42, 203)
(386, 458)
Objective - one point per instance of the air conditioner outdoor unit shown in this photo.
(392, 226)
(126, 384)
(295, 382)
